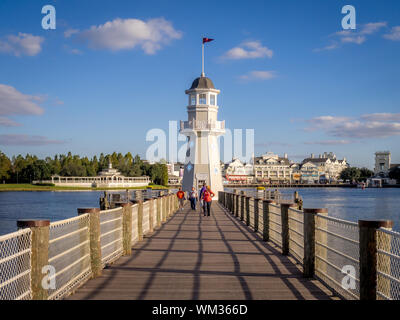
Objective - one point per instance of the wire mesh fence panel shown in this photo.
(388, 265)
(111, 235)
(296, 234)
(135, 228)
(251, 212)
(275, 224)
(69, 255)
(146, 217)
(337, 255)
(15, 265)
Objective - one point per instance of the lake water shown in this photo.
(344, 203)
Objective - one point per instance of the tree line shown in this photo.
(356, 174)
(25, 169)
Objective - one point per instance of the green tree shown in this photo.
(365, 173)
(394, 173)
(5, 167)
(351, 173)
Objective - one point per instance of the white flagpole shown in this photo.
(202, 60)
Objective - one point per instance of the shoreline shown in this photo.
(28, 187)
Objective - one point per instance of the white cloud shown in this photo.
(23, 44)
(394, 34)
(14, 102)
(366, 129)
(258, 75)
(354, 39)
(322, 122)
(357, 36)
(368, 126)
(68, 33)
(25, 140)
(5, 122)
(329, 142)
(249, 50)
(372, 27)
(123, 34)
(391, 117)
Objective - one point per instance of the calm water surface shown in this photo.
(49, 205)
(344, 203)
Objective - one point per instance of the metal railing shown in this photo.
(111, 235)
(328, 248)
(388, 264)
(296, 233)
(275, 224)
(337, 249)
(15, 265)
(69, 254)
(73, 250)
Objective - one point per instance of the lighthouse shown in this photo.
(202, 162)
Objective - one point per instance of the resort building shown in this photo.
(107, 178)
(239, 172)
(329, 167)
(271, 168)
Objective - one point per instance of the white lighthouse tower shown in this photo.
(202, 163)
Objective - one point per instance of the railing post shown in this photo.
(237, 206)
(256, 213)
(266, 210)
(140, 220)
(39, 254)
(127, 228)
(164, 208)
(247, 210)
(158, 200)
(171, 205)
(242, 196)
(309, 240)
(151, 215)
(368, 256)
(285, 226)
(95, 246)
(233, 197)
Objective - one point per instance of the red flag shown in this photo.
(207, 40)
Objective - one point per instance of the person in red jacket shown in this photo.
(181, 198)
(207, 198)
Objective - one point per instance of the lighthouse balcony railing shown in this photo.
(202, 125)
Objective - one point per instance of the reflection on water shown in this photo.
(352, 203)
(343, 203)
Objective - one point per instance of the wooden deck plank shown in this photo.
(197, 257)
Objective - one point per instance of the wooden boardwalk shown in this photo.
(196, 257)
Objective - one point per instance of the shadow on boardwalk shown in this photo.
(196, 257)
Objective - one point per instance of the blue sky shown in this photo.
(112, 70)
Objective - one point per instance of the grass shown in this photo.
(31, 187)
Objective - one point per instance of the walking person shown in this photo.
(181, 198)
(207, 197)
(193, 198)
(204, 188)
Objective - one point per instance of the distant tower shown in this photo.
(382, 162)
(202, 162)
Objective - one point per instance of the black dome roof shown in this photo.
(202, 83)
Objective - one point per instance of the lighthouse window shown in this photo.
(212, 99)
(203, 99)
(192, 99)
